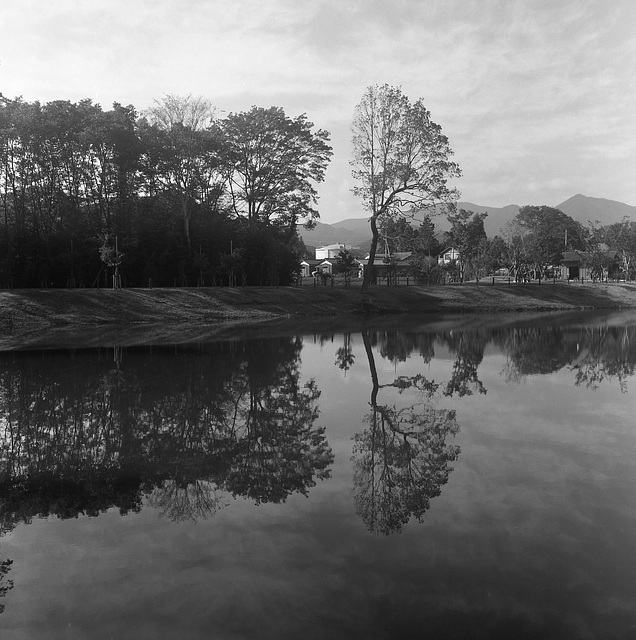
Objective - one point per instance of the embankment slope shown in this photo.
(30, 315)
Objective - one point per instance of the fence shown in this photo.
(339, 281)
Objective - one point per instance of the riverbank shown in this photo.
(30, 317)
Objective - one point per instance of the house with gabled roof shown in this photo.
(448, 255)
(309, 267)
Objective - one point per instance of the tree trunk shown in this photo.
(366, 339)
(366, 280)
(186, 222)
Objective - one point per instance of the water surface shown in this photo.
(468, 478)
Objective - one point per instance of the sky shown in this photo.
(537, 97)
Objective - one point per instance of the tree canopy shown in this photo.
(271, 164)
(539, 235)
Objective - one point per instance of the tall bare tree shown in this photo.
(188, 167)
(401, 159)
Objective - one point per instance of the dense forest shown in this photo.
(175, 196)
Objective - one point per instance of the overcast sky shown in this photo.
(537, 97)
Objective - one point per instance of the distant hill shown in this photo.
(356, 231)
(586, 209)
(581, 208)
(324, 234)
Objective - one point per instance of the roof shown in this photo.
(338, 245)
(580, 257)
(398, 256)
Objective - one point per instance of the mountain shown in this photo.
(585, 209)
(354, 225)
(497, 217)
(324, 234)
(356, 231)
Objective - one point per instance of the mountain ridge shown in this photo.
(583, 209)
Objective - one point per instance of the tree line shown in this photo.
(172, 196)
(178, 196)
(531, 246)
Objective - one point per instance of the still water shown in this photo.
(459, 478)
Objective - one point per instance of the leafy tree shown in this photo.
(490, 256)
(621, 237)
(537, 237)
(271, 163)
(426, 241)
(466, 235)
(397, 234)
(401, 159)
(426, 248)
(346, 265)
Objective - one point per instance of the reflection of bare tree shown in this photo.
(402, 460)
(198, 500)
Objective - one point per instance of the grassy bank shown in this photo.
(28, 315)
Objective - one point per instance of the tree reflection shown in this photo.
(5, 584)
(401, 460)
(181, 428)
(198, 500)
(595, 354)
(609, 353)
(537, 350)
(344, 355)
(469, 352)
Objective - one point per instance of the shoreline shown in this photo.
(31, 318)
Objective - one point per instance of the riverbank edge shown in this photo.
(32, 316)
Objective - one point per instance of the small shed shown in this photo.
(579, 265)
(309, 267)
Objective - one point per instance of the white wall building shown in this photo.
(331, 251)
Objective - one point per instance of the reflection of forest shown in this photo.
(180, 427)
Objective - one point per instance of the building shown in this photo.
(311, 267)
(449, 255)
(331, 251)
(578, 265)
(399, 263)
